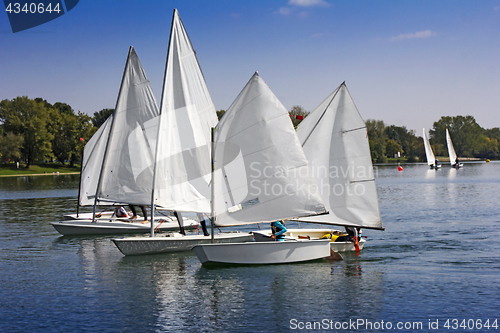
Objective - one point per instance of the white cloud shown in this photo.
(418, 34)
(284, 11)
(309, 3)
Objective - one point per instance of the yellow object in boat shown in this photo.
(332, 237)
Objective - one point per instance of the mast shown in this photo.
(212, 204)
(152, 231)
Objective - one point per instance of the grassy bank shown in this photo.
(8, 170)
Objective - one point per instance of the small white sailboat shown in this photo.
(181, 153)
(263, 253)
(93, 155)
(260, 175)
(431, 159)
(335, 143)
(454, 162)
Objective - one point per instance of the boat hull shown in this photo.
(86, 216)
(116, 226)
(174, 243)
(259, 253)
(294, 234)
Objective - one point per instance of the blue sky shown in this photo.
(405, 62)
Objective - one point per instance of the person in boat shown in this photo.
(351, 232)
(134, 212)
(120, 212)
(457, 162)
(278, 229)
(436, 162)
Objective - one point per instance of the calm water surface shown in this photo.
(438, 259)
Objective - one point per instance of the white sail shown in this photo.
(334, 138)
(93, 155)
(183, 157)
(127, 171)
(261, 172)
(428, 151)
(451, 150)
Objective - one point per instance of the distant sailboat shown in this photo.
(454, 162)
(431, 159)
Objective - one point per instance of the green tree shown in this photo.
(10, 146)
(466, 134)
(220, 113)
(405, 138)
(63, 127)
(392, 147)
(489, 148)
(101, 116)
(84, 131)
(29, 119)
(377, 139)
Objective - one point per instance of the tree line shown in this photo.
(469, 140)
(33, 131)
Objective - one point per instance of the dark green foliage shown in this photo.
(465, 133)
(220, 113)
(33, 130)
(101, 116)
(30, 119)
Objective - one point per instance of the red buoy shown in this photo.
(400, 168)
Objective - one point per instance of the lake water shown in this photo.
(437, 265)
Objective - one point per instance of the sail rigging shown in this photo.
(261, 173)
(127, 171)
(93, 155)
(182, 173)
(334, 139)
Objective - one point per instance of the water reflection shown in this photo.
(437, 256)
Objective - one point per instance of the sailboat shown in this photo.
(454, 162)
(93, 155)
(335, 142)
(260, 175)
(431, 159)
(120, 155)
(181, 173)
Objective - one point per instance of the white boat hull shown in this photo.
(258, 253)
(174, 242)
(117, 226)
(295, 234)
(86, 216)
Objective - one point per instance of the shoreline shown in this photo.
(42, 174)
